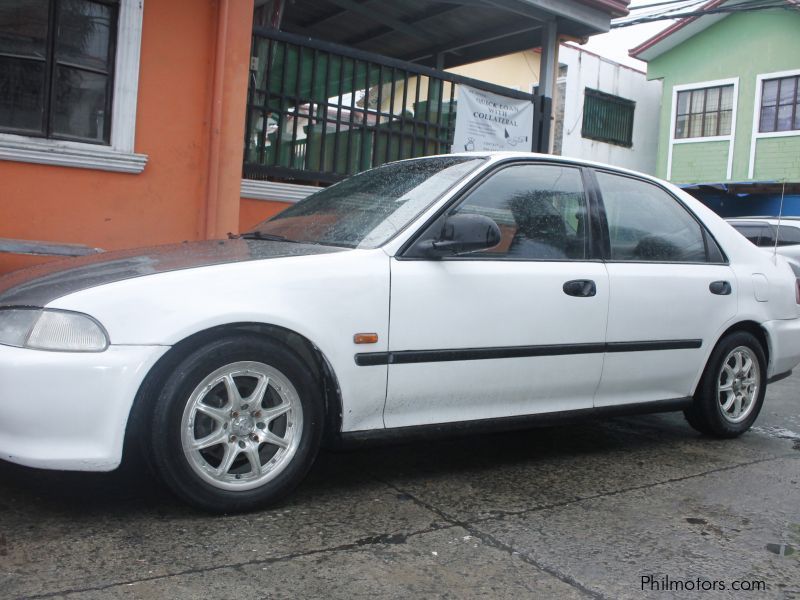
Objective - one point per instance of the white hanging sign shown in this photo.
(487, 122)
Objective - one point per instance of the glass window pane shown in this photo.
(21, 94)
(710, 127)
(796, 116)
(785, 117)
(725, 122)
(683, 102)
(726, 98)
(786, 95)
(80, 104)
(770, 95)
(766, 239)
(767, 122)
(682, 126)
(366, 210)
(647, 224)
(788, 235)
(84, 31)
(751, 232)
(695, 125)
(540, 209)
(23, 27)
(712, 99)
(698, 98)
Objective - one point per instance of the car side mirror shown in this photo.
(466, 233)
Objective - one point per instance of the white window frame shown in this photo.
(730, 138)
(119, 156)
(756, 134)
(275, 191)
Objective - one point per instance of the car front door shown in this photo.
(671, 293)
(501, 332)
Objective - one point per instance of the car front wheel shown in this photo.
(237, 424)
(732, 389)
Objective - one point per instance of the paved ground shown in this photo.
(569, 512)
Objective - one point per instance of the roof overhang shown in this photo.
(683, 29)
(445, 33)
(745, 188)
(677, 33)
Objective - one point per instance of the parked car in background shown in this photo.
(762, 231)
(457, 292)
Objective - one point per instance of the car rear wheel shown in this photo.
(732, 389)
(237, 424)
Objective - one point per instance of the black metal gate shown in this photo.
(317, 112)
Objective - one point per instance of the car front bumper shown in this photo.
(69, 410)
(784, 346)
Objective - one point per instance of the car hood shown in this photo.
(37, 286)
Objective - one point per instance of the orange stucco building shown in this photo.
(122, 122)
(190, 107)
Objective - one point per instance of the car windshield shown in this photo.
(366, 210)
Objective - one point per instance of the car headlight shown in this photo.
(46, 329)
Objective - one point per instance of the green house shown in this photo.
(730, 112)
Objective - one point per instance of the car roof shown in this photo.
(506, 154)
(748, 222)
(792, 220)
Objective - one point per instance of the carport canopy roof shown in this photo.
(457, 31)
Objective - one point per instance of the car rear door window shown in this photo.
(540, 209)
(646, 224)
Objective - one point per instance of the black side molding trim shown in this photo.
(653, 345)
(779, 377)
(368, 359)
(371, 359)
(395, 434)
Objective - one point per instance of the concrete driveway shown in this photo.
(581, 511)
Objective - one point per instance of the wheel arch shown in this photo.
(750, 326)
(304, 348)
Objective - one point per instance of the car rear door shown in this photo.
(671, 293)
(496, 333)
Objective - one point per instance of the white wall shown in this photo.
(585, 69)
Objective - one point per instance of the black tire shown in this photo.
(164, 436)
(705, 414)
(697, 423)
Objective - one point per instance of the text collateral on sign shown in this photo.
(487, 121)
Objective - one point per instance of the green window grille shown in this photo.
(607, 118)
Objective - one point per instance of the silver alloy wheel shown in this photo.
(241, 426)
(738, 384)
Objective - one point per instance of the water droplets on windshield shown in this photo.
(366, 210)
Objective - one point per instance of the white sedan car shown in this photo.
(456, 292)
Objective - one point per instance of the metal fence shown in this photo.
(317, 112)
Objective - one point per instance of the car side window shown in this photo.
(540, 209)
(646, 224)
(788, 235)
(751, 232)
(766, 238)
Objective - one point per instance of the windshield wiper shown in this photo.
(272, 237)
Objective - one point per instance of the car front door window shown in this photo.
(540, 209)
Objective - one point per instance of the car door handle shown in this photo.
(581, 288)
(720, 288)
